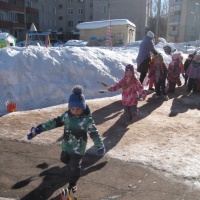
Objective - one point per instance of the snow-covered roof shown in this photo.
(104, 23)
(3, 35)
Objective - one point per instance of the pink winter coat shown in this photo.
(131, 90)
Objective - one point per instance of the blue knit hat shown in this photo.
(77, 99)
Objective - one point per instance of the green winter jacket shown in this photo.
(75, 131)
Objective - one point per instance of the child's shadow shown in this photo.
(55, 178)
(113, 134)
(183, 103)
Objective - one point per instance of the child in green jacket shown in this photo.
(77, 122)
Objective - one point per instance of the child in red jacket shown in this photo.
(132, 90)
(159, 71)
(175, 68)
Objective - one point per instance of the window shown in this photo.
(80, 11)
(49, 22)
(29, 4)
(70, 24)
(91, 5)
(43, 8)
(60, 18)
(13, 17)
(103, 9)
(60, 29)
(54, 10)
(70, 11)
(80, 1)
(70, 1)
(49, 9)
(80, 22)
(43, 22)
(14, 2)
(1, 16)
(60, 6)
(55, 23)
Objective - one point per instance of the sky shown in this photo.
(37, 77)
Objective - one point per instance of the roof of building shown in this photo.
(4, 35)
(104, 23)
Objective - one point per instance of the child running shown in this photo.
(132, 90)
(77, 122)
(159, 71)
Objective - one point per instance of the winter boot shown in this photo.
(72, 187)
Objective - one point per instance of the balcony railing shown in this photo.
(9, 24)
(8, 6)
(32, 10)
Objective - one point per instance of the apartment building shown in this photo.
(133, 10)
(183, 21)
(16, 16)
(61, 16)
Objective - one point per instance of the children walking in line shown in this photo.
(152, 77)
(159, 71)
(187, 62)
(193, 73)
(132, 90)
(174, 70)
(77, 122)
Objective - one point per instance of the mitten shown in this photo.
(33, 133)
(140, 99)
(101, 151)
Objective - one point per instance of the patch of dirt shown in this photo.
(158, 125)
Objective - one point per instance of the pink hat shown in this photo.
(197, 58)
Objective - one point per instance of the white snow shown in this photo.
(105, 23)
(39, 77)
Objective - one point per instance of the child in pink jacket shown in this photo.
(132, 91)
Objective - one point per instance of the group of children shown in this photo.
(78, 121)
(165, 79)
(192, 72)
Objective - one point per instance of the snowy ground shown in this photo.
(38, 77)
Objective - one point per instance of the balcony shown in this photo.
(173, 33)
(32, 10)
(7, 6)
(175, 23)
(10, 25)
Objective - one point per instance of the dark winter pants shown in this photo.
(192, 84)
(74, 166)
(130, 112)
(160, 88)
(142, 76)
(143, 69)
(172, 86)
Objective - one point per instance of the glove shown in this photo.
(101, 151)
(140, 99)
(33, 133)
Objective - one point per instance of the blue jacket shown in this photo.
(146, 47)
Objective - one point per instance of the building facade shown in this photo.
(61, 16)
(183, 21)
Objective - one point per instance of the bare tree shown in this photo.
(158, 20)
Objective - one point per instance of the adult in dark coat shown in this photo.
(144, 56)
